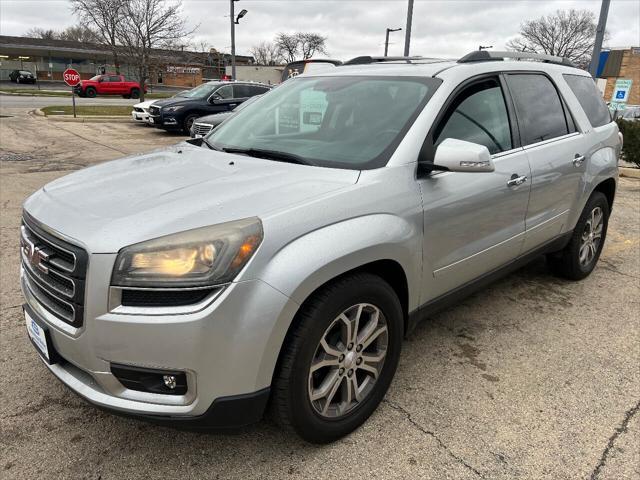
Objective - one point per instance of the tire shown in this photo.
(578, 259)
(291, 402)
(188, 121)
(135, 93)
(90, 92)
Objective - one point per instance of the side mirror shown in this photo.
(455, 155)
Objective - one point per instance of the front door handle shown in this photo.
(577, 160)
(516, 180)
(232, 106)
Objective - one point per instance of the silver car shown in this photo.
(281, 259)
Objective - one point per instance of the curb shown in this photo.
(629, 172)
(89, 119)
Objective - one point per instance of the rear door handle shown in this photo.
(577, 160)
(516, 180)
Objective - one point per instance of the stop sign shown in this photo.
(71, 77)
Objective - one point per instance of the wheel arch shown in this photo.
(608, 188)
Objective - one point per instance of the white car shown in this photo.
(140, 112)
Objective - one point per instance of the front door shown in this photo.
(475, 222)
(553, 146)
(220, 100)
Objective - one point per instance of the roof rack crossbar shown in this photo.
(490, 55)
(366, 59)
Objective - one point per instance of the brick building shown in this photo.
(49, 58)
(620, 63)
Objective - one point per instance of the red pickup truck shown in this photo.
(108, 84)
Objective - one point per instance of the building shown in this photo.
(617, 64)
(47, 59)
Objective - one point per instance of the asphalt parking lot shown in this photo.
(534, 377)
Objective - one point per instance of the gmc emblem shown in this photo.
(35, 255)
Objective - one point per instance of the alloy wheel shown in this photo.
(591, 237)
(348, 360)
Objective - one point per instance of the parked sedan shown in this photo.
(204, 125)
(22, 76)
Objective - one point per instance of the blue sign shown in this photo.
(620, 94)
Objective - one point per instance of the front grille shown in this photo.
(55, 271)
(201, 128)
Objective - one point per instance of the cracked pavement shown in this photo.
(533, 377)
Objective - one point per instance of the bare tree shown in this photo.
(104, 17)
(267, 53)
(80, 33)
(46, 34)
(567, 33)
(148, 25)
(304, 44)
(288, 44)
(311, 43)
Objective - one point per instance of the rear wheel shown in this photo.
(135, 93)
(339, 359)
(578, 259)
(90, 92)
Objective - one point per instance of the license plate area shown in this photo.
(40, 336)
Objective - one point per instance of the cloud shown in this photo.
(448, 28)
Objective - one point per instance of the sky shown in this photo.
(449, 28)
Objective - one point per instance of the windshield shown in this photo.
(201, 91)
(341, 122)
(25, 72)
(95, 79)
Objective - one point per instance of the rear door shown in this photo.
(554, 149)
(116, 85)
(474, 222)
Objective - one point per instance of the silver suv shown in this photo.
(279, 261)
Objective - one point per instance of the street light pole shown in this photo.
(386, 40)
(407, 32)
(233, 39)
(597, 46)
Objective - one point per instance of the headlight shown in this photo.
(173, 109)
(200, 257)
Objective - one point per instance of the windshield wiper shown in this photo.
(211, 145)
(270, 155)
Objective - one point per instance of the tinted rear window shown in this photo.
(589, 97)
(539, 108)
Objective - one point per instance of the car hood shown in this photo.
(216, 118)
(119, 203)
(146, 104)
(166, 102)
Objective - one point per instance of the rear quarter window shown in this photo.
(590, 100)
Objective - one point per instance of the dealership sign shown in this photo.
(71, 77)
(192, 70)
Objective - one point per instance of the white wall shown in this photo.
(257, 73)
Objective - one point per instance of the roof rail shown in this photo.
(366, 59)
(490, 55)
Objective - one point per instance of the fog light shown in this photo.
(170, 381)
(150, 380)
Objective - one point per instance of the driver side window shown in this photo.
(478, 115)
(224, 93)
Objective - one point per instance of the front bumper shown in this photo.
(227, 350)
(164, 121)
(140, 116)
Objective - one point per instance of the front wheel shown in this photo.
(578, 259)
(339, 359)
(90, 92)
(188, 123)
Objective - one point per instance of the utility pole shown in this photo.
(407, 34)
(597, 46)
(386, 40)
(233, 39)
